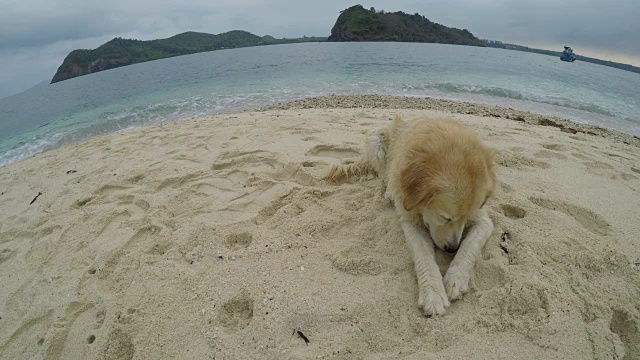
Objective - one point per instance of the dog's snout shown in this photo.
(453, 244)
(451, 248)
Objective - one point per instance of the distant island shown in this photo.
(501, 45)
(359, 24)
(353, 24)
(121, 52)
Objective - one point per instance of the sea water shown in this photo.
(216, 82)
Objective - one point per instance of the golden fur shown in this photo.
(438, 175)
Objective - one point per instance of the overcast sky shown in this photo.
(36, 35)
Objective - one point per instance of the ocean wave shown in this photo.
(29, 148)
(94, 123)
(475, 89)
(517, 95)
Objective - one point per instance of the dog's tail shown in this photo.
(371, 164)
(344, 172)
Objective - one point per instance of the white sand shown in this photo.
(214, 238)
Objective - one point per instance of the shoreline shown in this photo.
(456, 107)
(215, 237)
(415, 103)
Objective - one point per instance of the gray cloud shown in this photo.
(35, 35)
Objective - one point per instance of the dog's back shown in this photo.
(422, 135)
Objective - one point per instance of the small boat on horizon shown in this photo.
(568, 54)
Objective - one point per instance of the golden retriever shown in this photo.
(439, 176)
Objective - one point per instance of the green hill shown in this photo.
(354, 24)
(359, 24)
(121, 52)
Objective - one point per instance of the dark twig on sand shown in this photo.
(504, 245)
(503, 242)
(302, 336)
(35, 198)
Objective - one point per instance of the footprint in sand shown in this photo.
(46, 231)
(506, 187)
(489, 276)
(21, 343)
(513, 212)
(519, 162)
(78, 322)
(192, 249)
(236, 314)
(6, 254)
(550, 155)
(185, 157)
(519, 305)
(262, 163)
(617, 156)
(177, 181)
(332, 151)
(238, 241)
(160, 247)
(557, 147)
(626, 327)
(581, 156)
(221, 189)
(627, 177)
(118, 260)
(355, 261)
(253, 179)
(118, 346)
(142, 204)
(237, 159)
(110, 189)
(587, 218)
(597, 165)
(528, 300)
(136, 178)
(312, 164)
(82, 202)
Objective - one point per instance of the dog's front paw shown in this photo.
(456, 283)
(433, 302)
(387, 195)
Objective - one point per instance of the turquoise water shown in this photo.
(230, 80)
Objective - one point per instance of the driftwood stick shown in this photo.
(35, 198)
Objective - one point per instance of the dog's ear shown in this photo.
(418, 185)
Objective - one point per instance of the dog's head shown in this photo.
(445, 192)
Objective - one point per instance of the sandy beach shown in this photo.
(214, 238)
